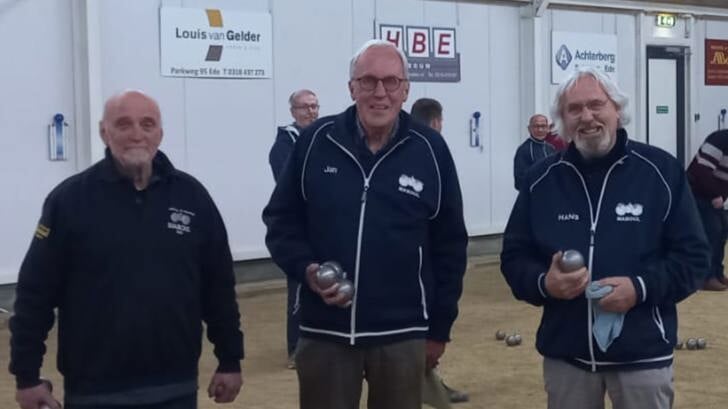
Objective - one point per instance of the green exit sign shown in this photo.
(665, 20)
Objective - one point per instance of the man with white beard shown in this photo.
(611, 325)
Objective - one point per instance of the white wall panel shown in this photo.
(36, 79)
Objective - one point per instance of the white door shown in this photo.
(36, 79)
(666, 99)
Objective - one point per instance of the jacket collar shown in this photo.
(346, 130)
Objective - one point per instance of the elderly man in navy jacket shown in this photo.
(627, 207)
(379, 194)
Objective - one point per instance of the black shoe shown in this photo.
(455, 395)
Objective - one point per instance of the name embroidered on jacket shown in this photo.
(564, 217)
(410, 185)
(629, 212)
(331, 169)
(180, 220)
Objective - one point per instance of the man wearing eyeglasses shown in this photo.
(304, 109)
(532, 149)
(378, 193)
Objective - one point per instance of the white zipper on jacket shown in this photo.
(594, 218)
(367, 178)
(543, 148)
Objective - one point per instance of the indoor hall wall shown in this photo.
(221, 130)
(36, 81)
(488, 43)
(598, 22)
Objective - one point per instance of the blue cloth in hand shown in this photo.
(607, 325)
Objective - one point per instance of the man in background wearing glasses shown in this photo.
(532, 149)
(378, 193)
(304, 109)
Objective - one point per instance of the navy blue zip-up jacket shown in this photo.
(631, 214)
(528, 153)
(282, 147)
(133, 274)
(396, 227)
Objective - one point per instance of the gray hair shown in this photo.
(610, 87)
(296, 94)
(378, 43)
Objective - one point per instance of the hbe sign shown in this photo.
(431, 51)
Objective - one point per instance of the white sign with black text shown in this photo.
(212, 43)
(571, 50)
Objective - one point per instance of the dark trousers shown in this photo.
(716, 229)
(330, 374)
(292, 320)
(184, 402)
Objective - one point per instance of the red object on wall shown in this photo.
(716, 62)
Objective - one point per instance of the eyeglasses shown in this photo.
(370, 83)
(307, 107)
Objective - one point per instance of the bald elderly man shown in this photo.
(532, 149)
(134, 256)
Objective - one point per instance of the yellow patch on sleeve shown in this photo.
(42, 231)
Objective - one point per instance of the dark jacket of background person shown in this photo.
(282, 147)
(395, 224)
(629, 213)
(531, 151)
(708, 171)
(133, 274)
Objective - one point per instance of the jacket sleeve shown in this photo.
(279, 153)
(681, 267)
(522, 264)
(701, 170)
(521, 163)
(219, 304)
(448, 247)
(37, 294)
(285, 218)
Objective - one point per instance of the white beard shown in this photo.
(593, 147)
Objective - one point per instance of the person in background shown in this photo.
(304, 107)
(708, 177)
(532, 149)
(555, 140)
(428, 111)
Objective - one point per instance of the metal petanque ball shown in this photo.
(500, 335)
(518, 339)
(336, 266)
(701, 343)
(679, 344)
(346, 288)
(327, 275)
(511, 341)
(691, 344)
(571, 260)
